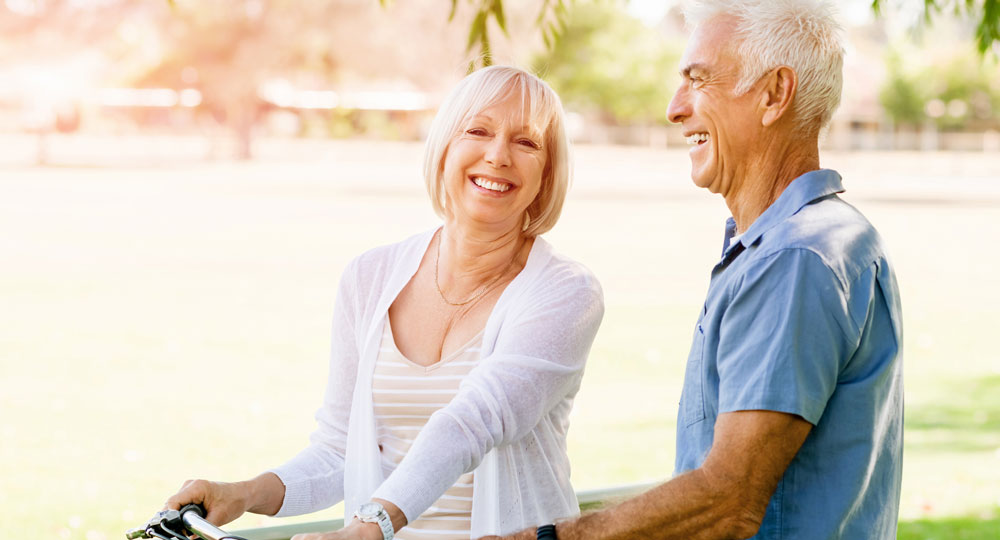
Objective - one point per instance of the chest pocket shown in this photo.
(692, 406)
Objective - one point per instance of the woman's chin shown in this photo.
(488, 221)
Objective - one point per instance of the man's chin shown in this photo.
(703, 180)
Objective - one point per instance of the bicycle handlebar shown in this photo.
(177, 524)
(197, 524)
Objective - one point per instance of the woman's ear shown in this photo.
(780, 86)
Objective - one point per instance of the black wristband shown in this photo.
(546, 532)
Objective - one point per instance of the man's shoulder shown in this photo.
(833, 230)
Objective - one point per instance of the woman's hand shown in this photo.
(356, 530)
(226, 501)
(223, 501)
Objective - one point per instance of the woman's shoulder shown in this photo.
(380, 258)
(562, 272)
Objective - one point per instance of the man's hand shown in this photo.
(527, 534)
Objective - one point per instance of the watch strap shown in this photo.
(381, 518)
(546, 532)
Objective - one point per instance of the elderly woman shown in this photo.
(456, 353)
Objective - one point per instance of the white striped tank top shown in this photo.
(405, 395)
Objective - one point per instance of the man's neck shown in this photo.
(766, 178)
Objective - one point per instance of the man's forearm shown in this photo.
(691, 505)
(726, 497)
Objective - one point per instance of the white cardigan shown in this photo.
(508, 420)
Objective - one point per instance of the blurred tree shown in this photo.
(232, 49)
(228, 49)
(46, 43)
(607, 62)
(951, 88)
(987, 13)
(902, 97)
(967, 90)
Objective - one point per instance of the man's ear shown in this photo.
(780, 86)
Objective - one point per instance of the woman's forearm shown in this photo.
(265, 494)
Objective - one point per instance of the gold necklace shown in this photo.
(482, 291)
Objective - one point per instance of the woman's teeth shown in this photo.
(697, 138)
(492, 186)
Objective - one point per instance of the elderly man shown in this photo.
(791, 418)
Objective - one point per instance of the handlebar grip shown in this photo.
(194, 522)
(193, 507)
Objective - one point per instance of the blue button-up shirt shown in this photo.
(803, 317)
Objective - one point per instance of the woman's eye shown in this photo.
(529, 143)
(479, 132)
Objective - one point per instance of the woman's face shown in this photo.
(493, 167)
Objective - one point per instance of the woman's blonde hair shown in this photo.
(481, 90)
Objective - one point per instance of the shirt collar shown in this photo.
(805, 189)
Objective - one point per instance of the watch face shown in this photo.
(369, 509)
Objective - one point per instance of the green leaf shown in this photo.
(877, 8)
(454, 6)
(484, 44)
(542, 12)
(498, 14)
(477, 30)
(988, 30)
(985, 12)
(555, 30)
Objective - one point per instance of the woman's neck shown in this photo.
(471, 257)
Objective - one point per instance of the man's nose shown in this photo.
(679, 108)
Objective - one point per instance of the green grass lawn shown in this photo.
(171, 321)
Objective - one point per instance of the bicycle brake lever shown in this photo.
(171, 518)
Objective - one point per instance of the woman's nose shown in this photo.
(498, 153)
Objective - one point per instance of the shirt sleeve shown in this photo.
(537, 361)
(314, 478)
(785, 336)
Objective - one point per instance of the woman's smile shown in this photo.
(491, 185)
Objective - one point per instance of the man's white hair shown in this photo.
(801, 34)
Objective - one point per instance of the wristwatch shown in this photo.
(373, 512)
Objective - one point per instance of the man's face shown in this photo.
(720, 126)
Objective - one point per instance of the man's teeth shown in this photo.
(697, 138)
(492, 186)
